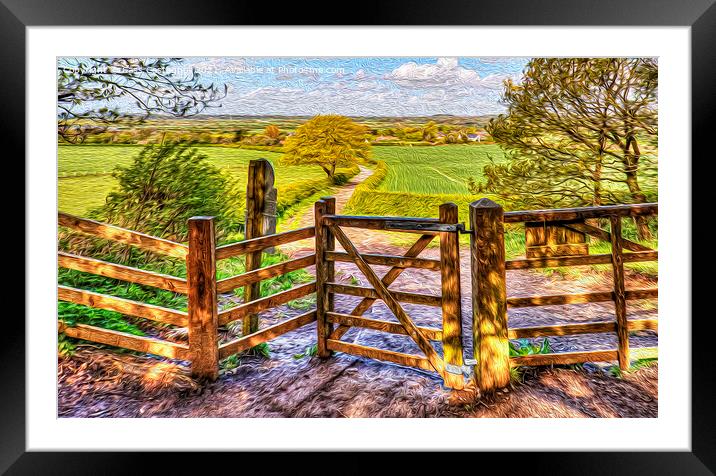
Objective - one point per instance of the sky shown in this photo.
(365, 86)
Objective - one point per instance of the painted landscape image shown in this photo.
(357, 237)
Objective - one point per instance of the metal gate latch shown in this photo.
(465, 369)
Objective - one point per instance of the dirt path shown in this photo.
(291, 385)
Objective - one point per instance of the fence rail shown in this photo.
(491, 330)
(201, 286)
(122, 235)
(264, 242)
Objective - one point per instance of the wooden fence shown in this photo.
(490, 302)
(201, 287)
(491, 332)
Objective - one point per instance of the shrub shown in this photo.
(164, 187)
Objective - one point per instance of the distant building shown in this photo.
(475, 137)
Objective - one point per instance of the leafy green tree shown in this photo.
(329, 141)
(87, 88)
(165, 186)
(573, 131)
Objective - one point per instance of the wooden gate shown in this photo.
(329, 228)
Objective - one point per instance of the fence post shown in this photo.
(619, 292)
(203, 311)
(258, 187)
(323, 302)
(489, 295)
(450, 283)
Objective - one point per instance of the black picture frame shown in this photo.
(700, 15)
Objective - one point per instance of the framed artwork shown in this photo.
(417, 227)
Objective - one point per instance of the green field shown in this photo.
(84, 171)
(434, 170)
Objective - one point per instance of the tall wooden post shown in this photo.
(489, 295)
(450, 283)
(323, 327)
(619, 293)
(258, 188)
(203, 310)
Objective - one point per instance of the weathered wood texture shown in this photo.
(148, 345)
(580, 298)
(123, 306)
(320, 209)
(582, 328)
(260, 172)
(489, 295)
(543, 239)
(238, 312)
(229, 284)
(388, 260)
(123, 273)
(604, 235)
(400, 358)
(412, 298)
(264, 242)
(564, 214)
(122, 235)
(565, 358)
(423, 343)
(450, 288)
(387, 279)
(270, 203)
(203, 309)
(579, 260)
(330, 246)
(264, 335)
(619, 292)
(402, 224)
(377, 325)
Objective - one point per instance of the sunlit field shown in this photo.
(434, 170)
(84, 172)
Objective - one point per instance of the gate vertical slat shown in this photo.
(450, 285)
(619, 292)
(322, 271)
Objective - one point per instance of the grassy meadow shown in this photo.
(440, 169)
(84, 171)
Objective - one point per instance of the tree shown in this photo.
(572, 133)
(165, 186)
(86, 88)
(328, 141)
(272, 131)
(430, 131)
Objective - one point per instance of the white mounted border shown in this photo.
(670, 431)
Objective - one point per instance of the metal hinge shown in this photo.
(462, 230)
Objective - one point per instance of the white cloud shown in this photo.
(444, 73)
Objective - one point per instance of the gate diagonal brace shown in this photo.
(424, 345)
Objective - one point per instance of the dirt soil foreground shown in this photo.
(100, 383)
